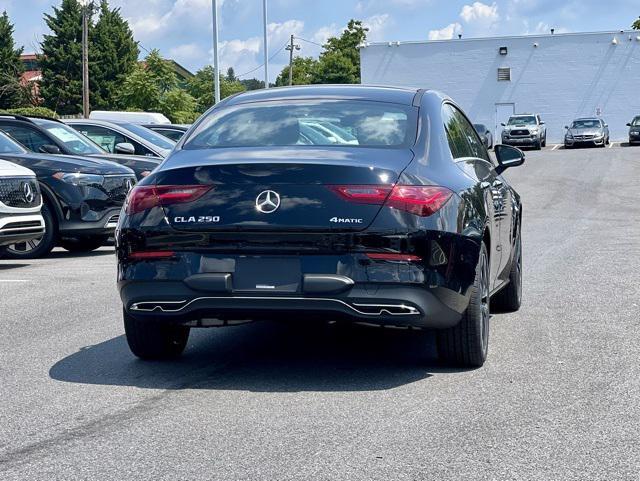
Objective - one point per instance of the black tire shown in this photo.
(509, 299)
(40, 247)
(150, 340)
(83, 244)
(538, 145)
(544, 141)
(466, 344)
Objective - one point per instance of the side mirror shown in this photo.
(50, 149)
(628, 124)
(508, 156)
(125, 148)
(542, 122)
(566, 127)
(503, 124)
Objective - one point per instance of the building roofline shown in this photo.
(505, 37)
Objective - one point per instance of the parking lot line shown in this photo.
(556, 147)
(14, 280)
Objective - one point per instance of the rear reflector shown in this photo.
(417, 199)
(151, 255)
(384, 256)
(144, 197)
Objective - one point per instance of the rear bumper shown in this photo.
(398, 305)
(20, 228)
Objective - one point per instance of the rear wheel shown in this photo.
(149, 340)
(510, 298)
(466, 344)
(84, 244)
(544, 141)
(39, 247)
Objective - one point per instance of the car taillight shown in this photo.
(422, 200)
(419, 200)
(388, 256)
(151, 255)
(143, 197)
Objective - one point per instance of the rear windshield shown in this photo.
(585, 124)
(310, 122)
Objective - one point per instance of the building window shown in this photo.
(504, 74)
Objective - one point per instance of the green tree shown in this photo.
(61, 59)
(113, 55)
(636, 24)
(10, 66)
(161, 71)
(231, 75)
(177, 104)
(139, 91)
(303, 68)
(201, 88)
(340, 60)
(252, 84)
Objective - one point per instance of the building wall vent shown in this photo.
(504, 74)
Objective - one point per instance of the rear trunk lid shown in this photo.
(279, 189)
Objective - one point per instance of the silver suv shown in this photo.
(525, 130)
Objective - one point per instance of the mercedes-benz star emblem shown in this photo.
(268, 201)
(27, 191)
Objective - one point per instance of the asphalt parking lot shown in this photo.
(557, 399)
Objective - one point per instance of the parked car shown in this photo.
(634, 130)
(109, 135)
(485, 134)
(82, 199)
(52, 136)
(171, 131)
(20, 202)
(133, 117)
(586, 131)
(526, 130)
(242, 222)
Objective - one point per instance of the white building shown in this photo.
(561, 76)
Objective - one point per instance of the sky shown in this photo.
(181, 29)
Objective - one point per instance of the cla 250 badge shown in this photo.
(342, 220)
(202, 219)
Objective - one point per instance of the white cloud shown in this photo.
(480, 12)
(377, 25)
(450, 31)
(324, 33)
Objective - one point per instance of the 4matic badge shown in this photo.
(343, 220)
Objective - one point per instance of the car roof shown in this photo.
(399, 95)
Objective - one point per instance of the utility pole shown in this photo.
(86, 7)
(216, 66)
(291, 48)
(266, 45)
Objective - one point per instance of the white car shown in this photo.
(20, 203)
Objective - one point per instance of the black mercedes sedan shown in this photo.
(50, 136)
(82, 199)
(408, 222)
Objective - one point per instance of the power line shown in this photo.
(262, 64)
(309, 41)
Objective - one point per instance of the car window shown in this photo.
(522, 120)
(76, 143)
(174, 135)
(636, 122)
(149, 135)
(30, 138)
(108, 138)
(352, 123)
(586, 124)
(9, 146)
(463, 138)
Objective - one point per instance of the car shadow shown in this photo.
(266, 357)
(12, 265)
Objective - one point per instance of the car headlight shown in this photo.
(534, 130)
(569, 135)
(76, 178)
